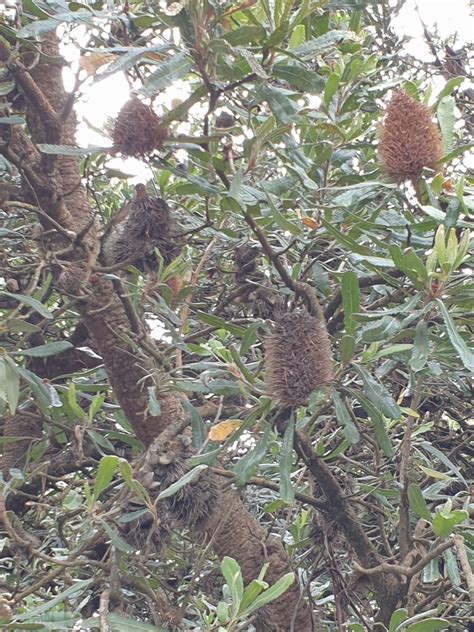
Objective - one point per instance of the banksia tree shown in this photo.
(409, 140)
(137, 130)
(149, 226)
(298, 358)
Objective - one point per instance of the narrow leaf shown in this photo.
(378, 395)
(344, 419)
(31, 302)
(232, 574)
(350, 299)
(44, 351)
(466, 355)
(184, 480)
(285, 460)
(417, 502)
(421, 347)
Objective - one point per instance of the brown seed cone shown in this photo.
(137, 131)
(298, 358)
(149, 226)
(409, 140)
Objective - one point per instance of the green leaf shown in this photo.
(350, 299)
(378, 395)
(232, 574)
(397, 618)
(70, 150)
(378, 421)
(65, 594)
(346, 349)
(220, 323)
(31, 302)
(246, 466)
(344, 419)
(429, 625)
(272, 593)
(117, 541)
(12, 384)
(443, 525)
(452, 567)
(120, 623)
(129, 59)
(44, 26)
(330, 88)
(282, 107)
(421, 348)
(105, 474)
(12, 120)
(319, 44)
(44, 351)
(466, 355)
(285, 461)
(409, 263)
(166, 73)
(417, 502)
(445, 113)
(299, 78)
(451, 85)
(17, 325)
(184, 480)
(251, 593)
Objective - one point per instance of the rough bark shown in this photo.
(57, 190)
(20, 431)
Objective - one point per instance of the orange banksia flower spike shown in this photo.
(409, 140)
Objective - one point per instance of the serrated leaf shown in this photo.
(184, 480)
(62, 596)
(166, 73)
(299, 78)
(31, 302)
(70, 150)
(44, 351)
(118, 542)
(466, 355)
(319, 44)
(344, 419)
(378, 395)
(44, 26)
(417, 502)
(120, 623)
(446, 119)
(420, 348)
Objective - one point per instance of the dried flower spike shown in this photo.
(409, 140)
(149, 226)
(137, 131)
(298, 358)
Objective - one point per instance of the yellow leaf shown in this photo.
(223, 429)
(91, 63)
(434, 474)
(310, 222)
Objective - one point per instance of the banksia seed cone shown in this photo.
(137, 131)
(409, 140)
(225, 120)
(149, 226)
(298, 358)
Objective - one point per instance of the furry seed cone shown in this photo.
(298, 358)
(409, 140)
(149, 226)
(136, 131)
